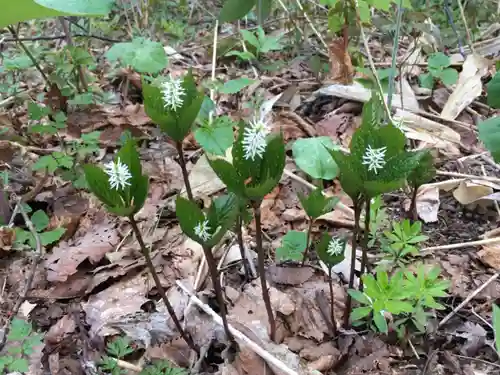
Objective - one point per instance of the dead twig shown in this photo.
(469, 298)
(460, 245)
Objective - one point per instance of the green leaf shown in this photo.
(489, 134)
(250, 38)
(322, 250)
(449, 76)
(293, 245)
(54, 161)
(222, 216)
(189, 215)
(19, 330)
(493, 91)
(243, 55)
(426, 80)
(423, 172)
(228, 175)
(144, 55)
(317, 204)
(438, 60)
(25, 10)
(233, 10)
(360, 312)
(234, 86)
(312, 156)
(263, 10)
(496, 325)
(47, 238)
(359, 296)
(398, 307)
(19, 365)
(380, 321)
(98, 183)
(384, 5)
(40, 220)
(217, 137)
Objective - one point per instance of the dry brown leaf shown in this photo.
(59, 331)
(427, 204)
(490, 253)
(289, 275)
(93, 246)
(204, 181)
(341, 70)
(474, 191)
(468, 87)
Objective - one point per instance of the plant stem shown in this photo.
(185, 174)
(309, 230)
(366, 239)
(214, 275)
(69, 41)
(413, 206)
(332, 301)
(239, 236)
(392, 73)
(354, 245)
(149, 263)
(29, 54)
(262, 269)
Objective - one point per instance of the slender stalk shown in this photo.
(262, 269)
(80, 68)
(354, 245)
(185, 174)
(413, 206)
(392, 73)
(239, 236)
(309, 230)
(366, 239)
(149, 263)
(29, 54)
(332, 301)
(214, 275)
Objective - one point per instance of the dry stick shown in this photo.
(28, 53)
(461, 245)
(332, 301)
(214, 275)
(306, 16)
(185, 175)
(152, 271)
(471, 176)
(240, 336)
(239, 236)
(31, 277)
(308, 239)
(354, 245)
(469, 298)
(262, 270)
(69, 41)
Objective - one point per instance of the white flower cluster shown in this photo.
(374, 158)
(202, 230)
(335, 247)
(254, 139)
(118, 173)
(173, 93)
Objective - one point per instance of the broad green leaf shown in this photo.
(364, 12)
(384, 5)
(143, 55)
(189, 215)
(380, 322)
(271, 43)
(19, 365)
(222, 215)
(98, 183)
(40, 220)
(217, 137)
(25, 10)
(263, 10)
(19, 329)
(360, 312)
(360, 297)
(489, 134)
(229, 175)
(54, 161)
(335, 22)
(493, 91)
(233, 10)
(329, 258)
(293, 245)
(312, 156)
(243, 55)
(317, 204)
(449, 76)
(234, 86)
(398, 307)
(438, 60)
(423, 172)
(426, 80)
(47, 238)
(496, 325)
(250, 38)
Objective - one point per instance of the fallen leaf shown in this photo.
(341, 70)
(289, 275)
(204, 181)
(59, 331)
(427, 204)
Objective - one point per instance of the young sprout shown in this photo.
(374, 158)
(173, 93)
(118, 173)
(335, 247)
(202, 230)
(254, 139)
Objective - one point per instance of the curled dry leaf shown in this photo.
(341, 70)
(427, 204)
(490, 253)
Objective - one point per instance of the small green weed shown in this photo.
(163, 368)
(118, 349)
(21, 342)
(439, 70)
(259, 44)
(40, 222)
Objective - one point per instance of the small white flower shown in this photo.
(254, 139)
(118, 174)
(335, 247)
(202, 230)
(374, 158)
(173, 93)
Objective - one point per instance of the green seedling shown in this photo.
(439, 70)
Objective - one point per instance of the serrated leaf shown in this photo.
(322, 250)
(423, 172)
(215, 138)
(222, 215)
(317, 204)
(234, 86)
(233, 10)
(189, 215)
(228, 175)
(312, 156)
(293, 245)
